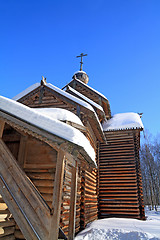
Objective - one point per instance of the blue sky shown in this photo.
(121, 38)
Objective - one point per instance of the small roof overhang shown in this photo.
(53, 132)
(123, 121)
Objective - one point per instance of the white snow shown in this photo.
(79, 72)
(123, 229)
(86, 99)
(123, 121)
(67, 95)
(56, 89)
(74, 99)
(77, 100)
(26, 91)
(60, 114)
(47, 123)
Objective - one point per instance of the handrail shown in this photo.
(62, 234)
(6, 185)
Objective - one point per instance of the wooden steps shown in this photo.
(118, 189)
(7, 224)
(16, 190)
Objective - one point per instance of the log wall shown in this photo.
(86, 203)
(43, 97)
(66, 197)
(7, 223)
(89, 206)
(39, 166)
(120, 188)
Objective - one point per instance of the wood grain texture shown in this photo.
(119, 189)
(57, 196)
(2, 123)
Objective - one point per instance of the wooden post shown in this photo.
(22, 154)
(83, 189)
(2, 123)
(73, 198)
(57, 196)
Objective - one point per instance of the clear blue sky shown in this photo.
(121, 38)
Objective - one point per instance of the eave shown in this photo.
(54, 141)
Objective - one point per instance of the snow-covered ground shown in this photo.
(123, 228)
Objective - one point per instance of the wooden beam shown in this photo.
(57, 196)
(73, 198)
(2, 123)
(22, 154)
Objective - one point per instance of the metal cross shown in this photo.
(81, 62)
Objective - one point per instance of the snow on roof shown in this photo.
(47, 123)
(26, 91)
(60, 114)
(70, 96)
(56, 89)
(80, 71)
(75, 99)
(62, 92)
(86, 98)
(100, 94)
(123, 121)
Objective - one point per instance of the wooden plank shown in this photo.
(2, 123)
(57, 196)
(16, 212)
(22, 154)
(72, 213)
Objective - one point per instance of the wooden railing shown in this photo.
(29, 209)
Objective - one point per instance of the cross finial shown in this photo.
(81, 62)
(43, 81)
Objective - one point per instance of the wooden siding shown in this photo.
(66, 198)
(44, 97)
(89, 206)
(40, 167)
(120, 189)
(86, 91)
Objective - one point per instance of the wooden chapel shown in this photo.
(65, 161)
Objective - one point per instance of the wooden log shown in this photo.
(7, 231)
(7, 223)
(46, 189)
(39, 166)
(9, 237)
(57, 196)
(72, 214)
(22, 154)
(41, 176)
(43, 183)
(2, 123)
